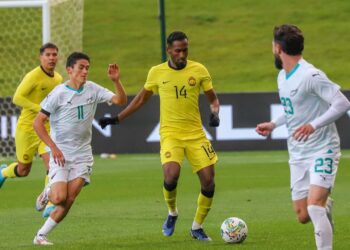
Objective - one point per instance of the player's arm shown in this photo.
(266, 128)
(339, 104)
(120, 97)
(139, 100)
(330, 92)
(214, 103)
(39, 127)
(20, 97)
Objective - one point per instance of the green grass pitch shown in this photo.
(123, 208)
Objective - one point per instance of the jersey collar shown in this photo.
(46, 73)
(292, 71)
(169, 65)
(76, 90)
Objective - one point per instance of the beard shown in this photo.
(278, 62)
(180, 64)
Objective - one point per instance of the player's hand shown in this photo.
(214, 120)
(265, 128)
(103, 122)
(302, 133)
(58, 156)
(113, 72)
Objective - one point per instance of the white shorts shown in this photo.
(319, 170)
(70, 171)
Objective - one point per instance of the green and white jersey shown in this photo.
(306, 94)
(71, 114)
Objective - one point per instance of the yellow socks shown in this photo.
(203, 207)
(9, 171)
(170, 200)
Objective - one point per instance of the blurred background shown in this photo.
(231, 38)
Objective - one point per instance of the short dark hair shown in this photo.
(74, 57)
(290, 37)
(176, 36)
(47, 46)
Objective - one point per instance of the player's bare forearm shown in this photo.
(213, 101)
(39, 127)
(139, 100)
(120, 97)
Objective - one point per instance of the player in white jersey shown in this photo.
(311, 104)
(71, 108)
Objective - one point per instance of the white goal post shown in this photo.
(43, 4)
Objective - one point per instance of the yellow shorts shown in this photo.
(199, 152)
(28, 144)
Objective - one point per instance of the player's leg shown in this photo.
(317, 210)
(202, 157)
(42, 200)
(26, 147)
(45, 156)
(322, 177)
(171, 172)
(57, 193)
(300, 208)
(299, 186)
(204, 202)
(64, 187)
(172, 155)
(63, 196)
(78, 176)
(14, 170)
(65, 203)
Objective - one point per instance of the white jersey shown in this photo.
(71, 115)
(306, 94)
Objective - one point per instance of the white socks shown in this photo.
(175, 213)
(48, 226)
(196, 225)
(322, 227)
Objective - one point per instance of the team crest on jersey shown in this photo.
(191, 81)
(26, 157)
(167, 154)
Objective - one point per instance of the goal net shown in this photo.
(24, 27)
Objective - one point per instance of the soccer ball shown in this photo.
(234, 230)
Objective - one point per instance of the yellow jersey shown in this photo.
(179, 93)
(35, 86)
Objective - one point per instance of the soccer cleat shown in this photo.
(41, 240)
(329, 208)
(199, 234)
(48, 210)
(169, 225)
(2, 178)
(42, 200)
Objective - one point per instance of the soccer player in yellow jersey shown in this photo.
(34, 87)
(178, 82)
